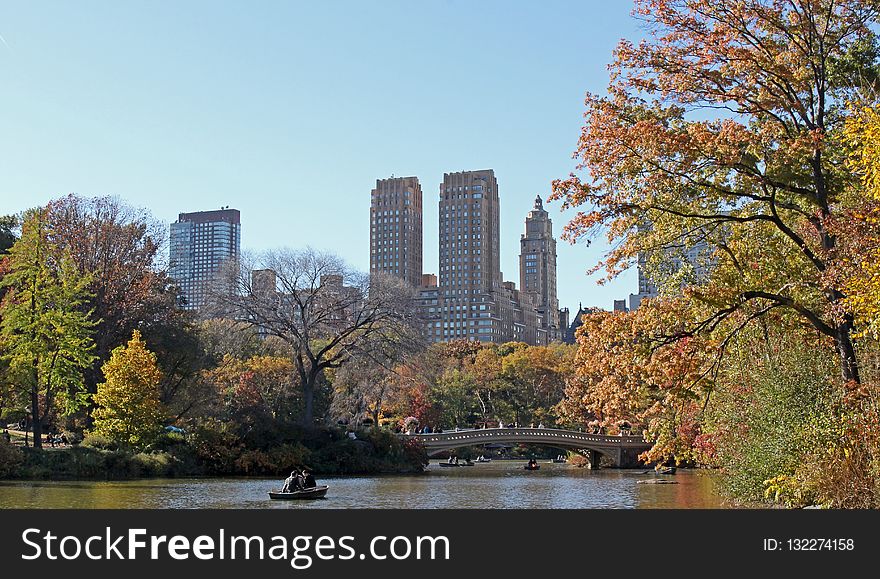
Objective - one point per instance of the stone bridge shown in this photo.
(622, 451)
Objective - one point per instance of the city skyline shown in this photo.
(285, 111)
(200, 244)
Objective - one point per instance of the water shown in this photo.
(499, 484)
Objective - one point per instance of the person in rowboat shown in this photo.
(292, 483)
(309, 481)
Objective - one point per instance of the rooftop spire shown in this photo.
(538, 204)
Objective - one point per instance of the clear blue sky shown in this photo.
(289, 111)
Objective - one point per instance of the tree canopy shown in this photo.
(722, 128)
(128, 407)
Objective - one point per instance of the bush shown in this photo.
(153, 464)
(216, 447)
(169, 441)
(99, 442)
(768, 421)
(11, 459)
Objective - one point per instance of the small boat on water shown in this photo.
(532, 467)
(317, 492)
(666, 470)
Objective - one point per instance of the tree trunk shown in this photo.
(36, 420)
(849, 366)
(308, 400)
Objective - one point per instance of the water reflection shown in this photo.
(499, 484)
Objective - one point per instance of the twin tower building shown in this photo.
(467, 298)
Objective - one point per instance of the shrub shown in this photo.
(99, 442)
(11, 459)
(152, 464)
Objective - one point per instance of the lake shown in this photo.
(498, 484)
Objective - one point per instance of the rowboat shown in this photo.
(317, 492)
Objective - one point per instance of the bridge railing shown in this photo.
(528, 434)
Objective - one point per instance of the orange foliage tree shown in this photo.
(628, 370)
(722, 128)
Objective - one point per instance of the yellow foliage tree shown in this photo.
(129, 410)
(862, 285)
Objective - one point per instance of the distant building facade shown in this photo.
(695, 256)
(571, 331)
(396, 228)
(469, 280)
(537, 269)
(468, 298)
(202, 243)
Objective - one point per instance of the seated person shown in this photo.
(309, 481)
(291, 483)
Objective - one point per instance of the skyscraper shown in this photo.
(696, 256)
(201, 244)
(470, 271)
(396, 228)
(537, 268)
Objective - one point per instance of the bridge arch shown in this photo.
(623, 451)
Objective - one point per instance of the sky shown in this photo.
(289, 111)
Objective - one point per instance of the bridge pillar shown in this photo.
(628, 458)
(593, 457)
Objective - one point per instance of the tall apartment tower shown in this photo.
(396, 228)
(470, 266)
(201, 244)
(537, 268)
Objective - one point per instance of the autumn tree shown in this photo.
(46, 330)
(722, 128)
(128, 407)
(860, 272)
(537, 377)
(117, 246)
(324, 311)
(361, 390)
(628, 371)
(261, 384)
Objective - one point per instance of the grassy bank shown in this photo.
(322, 451)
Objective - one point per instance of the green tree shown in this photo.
(8, 223)
(129, 410)
(117, 246)
(46, 334)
